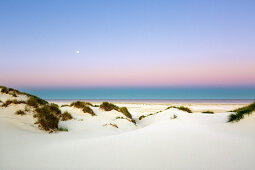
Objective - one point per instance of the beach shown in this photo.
(127, 85)
(169, 139)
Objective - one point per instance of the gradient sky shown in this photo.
(127, 43)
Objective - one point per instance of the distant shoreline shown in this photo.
(164, 101)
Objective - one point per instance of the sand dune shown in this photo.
(161, 141)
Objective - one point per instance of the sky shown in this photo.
(127, 43)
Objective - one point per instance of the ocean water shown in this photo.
(154, 94)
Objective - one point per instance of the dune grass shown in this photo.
(87, 109)
(63, 129)
(47, 118)
(128, 119)
(241, 112)
(80, 104)
(144, 116)
(106, 106)
(36, 101)
(208, 112)
(141, 117)
(20, 112)
(10, 91)
(85, 106)
(8, 102)
(55, 109)
(125, 111)
(183, 108)
(186, 109)
(32, 101)
(66, 116)
(4, 89)
(111, 124)
(48, 115)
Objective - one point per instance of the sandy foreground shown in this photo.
(191, 141)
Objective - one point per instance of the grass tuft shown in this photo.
(186, 109)
(4, 90)
(125, 111)
(208, 112)
(183, 108)
(111, 124)
(106, 106)
(20, 112)
(240, 112)
(36, 101)
(55, 109)
(66, 116)
(47, 118)
(85, 106)
(63, 129)
(8, 102)
(141, 117)
(87, 109)
(80, 104)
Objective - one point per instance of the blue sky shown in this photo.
(127, 43)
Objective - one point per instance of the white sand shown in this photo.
(191, 141)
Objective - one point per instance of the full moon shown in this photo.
(78, 52)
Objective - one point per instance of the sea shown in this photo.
(150, 95)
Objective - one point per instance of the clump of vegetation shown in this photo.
(48, 115)
(36, 101)
(4, 89)
(27, 108)
(47, 118)
(66, 116)
(128, 119)
(125, 111)
(55, 109)
(183, 108)
(64, 105)
(144, 116)
(10, 91)
(8, 102)
(80, 104)
(63, 129)
(208, 112)
(186, 109)
(20, 112)
(111, 124)
(240, 112)
(106, 106)
(18, 101)
(120, 117)
(141, 117)
(87, 109)
(132, 120)
(85, 106)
